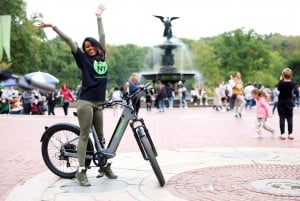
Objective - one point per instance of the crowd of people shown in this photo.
(232, 95)
(33, 101)
(235, 96)
(13, 101)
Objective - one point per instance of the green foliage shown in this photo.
(260, 59)
(25, 38)
(294, 64)
(240, 51)
(60, 62)
(123, 60)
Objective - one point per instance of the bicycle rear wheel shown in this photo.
(152, 159)
(54, 139)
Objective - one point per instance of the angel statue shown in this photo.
(168, 25)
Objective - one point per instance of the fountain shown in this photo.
(168, 73)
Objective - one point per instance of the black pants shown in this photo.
(51, 107)
(26, 108)
(285, 111)
(232, 101)
(66, 107)
(136, 104)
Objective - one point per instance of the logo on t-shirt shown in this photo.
(100, 67)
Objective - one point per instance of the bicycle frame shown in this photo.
(58, 150)
(114, 142)
(128, 116)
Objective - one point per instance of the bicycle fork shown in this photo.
(140, 131)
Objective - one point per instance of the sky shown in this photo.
(132, 21)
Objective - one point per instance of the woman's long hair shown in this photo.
(100, 55)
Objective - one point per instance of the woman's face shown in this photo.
(89, 49)
(135, 78)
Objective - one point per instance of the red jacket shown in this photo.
(66, 95)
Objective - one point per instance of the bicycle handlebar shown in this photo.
(141, 89)
(26, 82)
(138, 92)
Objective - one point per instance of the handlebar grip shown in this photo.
(109, 103)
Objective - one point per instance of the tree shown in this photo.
(124, 60)
(288, 49)
(245, 52)
(57, 59)
(25, 37)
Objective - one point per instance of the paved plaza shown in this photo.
(204, 155)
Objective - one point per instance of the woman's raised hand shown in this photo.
(100, 10)
(44, 25)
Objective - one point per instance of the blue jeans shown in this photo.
(249, 102)
(170, 101)
(161, 104)
(183, 102)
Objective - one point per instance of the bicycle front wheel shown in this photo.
(56, 138)
(152, 159)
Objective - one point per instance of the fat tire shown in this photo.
(52, 140)
(152, 159)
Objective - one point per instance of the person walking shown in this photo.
(275, 98)
(148, 100)
(232, 99)
(51, 102)
(262, 112)
(161, 95)
(116, 95)
(133, 86)
(217, 102)
(237, 91)
(285, 103)
(182, 95)
(91, 61)
(248, 96)
(222, 88)
(170, 95)
(27, 97)
(66, 97)
(296, 97)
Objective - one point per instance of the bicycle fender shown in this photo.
(55, 126)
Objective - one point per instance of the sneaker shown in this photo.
(272, 133)
(236, 115)
(282, 137)
(108, 172)
(290, 137)
(258, 136)
(82, 178)
(240, 115)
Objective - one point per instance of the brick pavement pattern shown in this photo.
(20, 154)
(227, 183)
